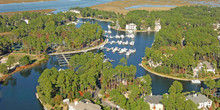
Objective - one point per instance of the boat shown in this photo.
(132, 43)
(109, 26)
(108, 49)
(128, 53)
(122, 36)
(123, 50)
(196, 81)
(109, 31)
(110, 37)
(117, 36)
(115, 49)
(132, 50)
(126, 43)
(119, 42)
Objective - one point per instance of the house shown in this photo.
(206, 65)
(83, 105)
(75, 11)
(202, 101)
(26, 21)
(154, 102)
(154, 64)
(131, 26)
(157, 25)
(216, 26)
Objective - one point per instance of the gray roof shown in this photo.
(85, 105)
(153, 99)
(198, 98)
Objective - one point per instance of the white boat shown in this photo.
(120, 42)
(110, 37)
(122, 36)
(132, 36)
(117, 36)
(128, 53)
(115, 49)
(132, 43)
(109, 26)
(132, 50)
(196, 81)
(109, 31)
(123, 50)
(126, 43)
(108, 49)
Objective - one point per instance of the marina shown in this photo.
(21, 88)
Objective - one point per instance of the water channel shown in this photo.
(19, 92)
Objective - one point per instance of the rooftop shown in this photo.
(153, 99)
(198, 98)
(85, 105)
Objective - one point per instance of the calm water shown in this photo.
(60, 5)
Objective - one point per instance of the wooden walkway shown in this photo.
(81, 51)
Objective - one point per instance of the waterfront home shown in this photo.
(131, 26)
(208, 67)
(75, 11)
(201, 100)
(83, 105)
(26, 21)
(216, 26)
(154, 102)
(154, 64)
(157, 25)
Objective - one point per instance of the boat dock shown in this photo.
(81, 51)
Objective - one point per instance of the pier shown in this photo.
(83, 50)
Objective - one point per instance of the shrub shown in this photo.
(25, 60)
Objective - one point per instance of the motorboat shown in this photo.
(196, 81)
(122, 36)
(132, 43)
(128, 53)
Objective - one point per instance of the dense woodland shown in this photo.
(88, 72)
(44, 32)
(186, 38)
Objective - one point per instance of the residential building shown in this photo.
(131, 26)
(83, 105)
(208, 67)
(75, 11)
(154, 102)
(154, 64)
(202, 101)
(157, 25)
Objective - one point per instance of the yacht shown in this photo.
(117, 36)
(196, 81)
(128, 53)
(126, 43)
(132, 43)
(122, 36)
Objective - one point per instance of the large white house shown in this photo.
(83, 105)
(154, 102)
(131, 26)
(157, 25)
(202, 101)
(204, 65)
(75, 11)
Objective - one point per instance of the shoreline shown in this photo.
(30, 11)
(108, 20)
(5, 76)
(173, 77)
(22, 1)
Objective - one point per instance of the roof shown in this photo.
(153, 99)
(85, 105)
(198, 98)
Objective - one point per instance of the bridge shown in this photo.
(81, 51)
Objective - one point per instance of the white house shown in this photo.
(26, 21)
(131, 26)
(157, 25)
(83, 105)
(154, 102)
(75, 11)
(209, 67)
(202, 101)
(216, 26)
(154, 64)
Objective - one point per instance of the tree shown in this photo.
(25, 60)
(10, 61)
(123, 61)
(3, 69)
